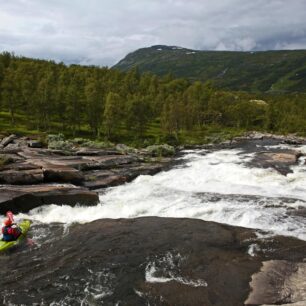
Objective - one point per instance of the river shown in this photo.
(212, 185)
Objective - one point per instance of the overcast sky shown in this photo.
(101, 32)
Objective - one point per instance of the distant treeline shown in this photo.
(101, 100)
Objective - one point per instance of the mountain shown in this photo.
(250, 71)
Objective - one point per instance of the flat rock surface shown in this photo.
(25, 198)
(146, 261)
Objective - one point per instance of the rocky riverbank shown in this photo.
(32, 176)
(279, 152)
(69, 173)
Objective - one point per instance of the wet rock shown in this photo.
(284, 158)
(108, 181)
(25, 198)
(98, 179)
(134, 171)
(280, 161)
(145, 261)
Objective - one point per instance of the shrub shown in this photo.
(161, 150)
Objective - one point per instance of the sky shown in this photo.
(101, 32)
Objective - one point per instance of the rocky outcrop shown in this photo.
(26, 164)
(25, 198)
(151, 261)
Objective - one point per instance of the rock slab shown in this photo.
(24, 198)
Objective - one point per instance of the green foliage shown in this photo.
(58, 142)
(113, 112)
(161, 150)
(248, 71)
(138, 113)
(91, 104)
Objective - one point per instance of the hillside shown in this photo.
(250, 71)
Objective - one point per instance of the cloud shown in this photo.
(103, 31)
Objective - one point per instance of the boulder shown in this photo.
(280, 161)
(283, 158)
(24, 198)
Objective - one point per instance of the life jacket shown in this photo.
(10, 233)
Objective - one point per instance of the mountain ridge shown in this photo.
(255, 71)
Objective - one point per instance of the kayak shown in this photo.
(25, 226)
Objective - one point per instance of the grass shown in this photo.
(21, 128)
(153, 134)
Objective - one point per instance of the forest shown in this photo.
(38, 96)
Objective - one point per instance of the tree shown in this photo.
(172, 114)
(94, 105)
(138, 113)
(112, 112)
(10, 93)
(75, 101)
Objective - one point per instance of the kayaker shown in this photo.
(10, 230)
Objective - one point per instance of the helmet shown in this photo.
(7, 221)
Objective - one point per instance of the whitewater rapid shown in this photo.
(216, 186)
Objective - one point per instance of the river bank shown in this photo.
(32, 176)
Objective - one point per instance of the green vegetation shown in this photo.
(107, 106)
(248, 71)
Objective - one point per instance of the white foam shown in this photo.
(166, 265)
(253, 249)
(179, 193)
